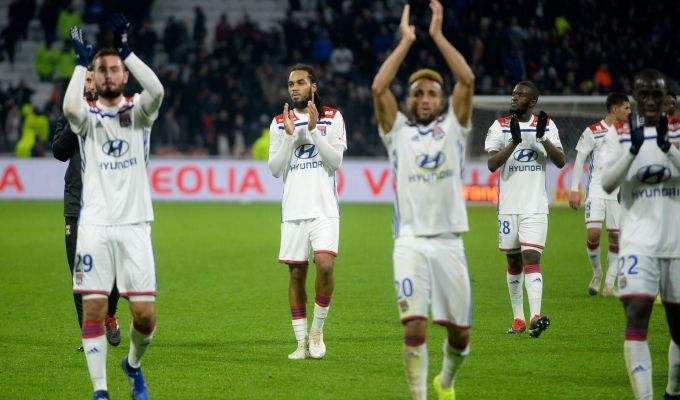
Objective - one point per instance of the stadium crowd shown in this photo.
(223, 83)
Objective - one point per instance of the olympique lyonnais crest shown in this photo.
(124, 119)
(438, 133)
(322, 129)
(403, 304)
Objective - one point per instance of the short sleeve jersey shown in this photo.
(427, 163)
(114, 148)
(591, 143)
(522, 176)
(650, 193)
(310, 187)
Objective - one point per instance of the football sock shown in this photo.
(533, 279)
(612, 265)
(454, 358)
(638, 362)
(299, 314)
(515, 279)
(321, 306)
(140, 339)
(94, 347)
(673, 386)
(593, 250)
(415, 366)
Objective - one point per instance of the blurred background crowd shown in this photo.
(224, 64)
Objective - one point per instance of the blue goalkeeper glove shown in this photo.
(636, 124)
(121, 27)
(83, 51)
(662, 134)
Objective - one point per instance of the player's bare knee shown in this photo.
(531, 257)
(143, 313)
(459, 337)
(515, 262)
(415, 327)
(298, 274)
(638, 312)
(94, 309)
(613, 238)
(594, 236)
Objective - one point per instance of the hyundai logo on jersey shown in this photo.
(306, 151)
(653, 174)
(115, 148)
(430, 161)
(525, 155)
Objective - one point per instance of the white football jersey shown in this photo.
(592, 144)
(114, 147)
(650, 193)
(427, 163)
(521, 187)
(310, 189)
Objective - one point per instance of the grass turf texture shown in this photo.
(224, 325)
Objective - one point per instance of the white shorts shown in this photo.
(644, 276)
(120, 253)
(520, 232)
(599, 210)
(297, 237)
(432, 272)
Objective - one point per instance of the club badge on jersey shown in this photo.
(124, 119)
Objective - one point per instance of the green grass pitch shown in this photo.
(224, 329)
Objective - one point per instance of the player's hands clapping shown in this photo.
(82, 49)
(313, 114)
(515, 132)
(437, 17)
(636, 125)
(288, 123)
(408, 32)
(121, 28)
(541, 125)
(662, 134)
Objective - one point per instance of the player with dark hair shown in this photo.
(600, 206)
(307, 142)
(426, 147)
(520, 145)
(643, 161)
(114, 241)
(65, 148)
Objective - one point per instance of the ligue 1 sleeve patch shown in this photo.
(124, 119)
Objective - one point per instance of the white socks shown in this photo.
(516, 293)
(453, 359)
(415, 366)
(139, 342)
(639, 366)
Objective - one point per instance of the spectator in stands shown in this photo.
(603, 78)
(261, 146)
(146, 43)
(67, 18)
(34, 132)
(46, 61)
(48, 14)
(322, 47)
(342, 59)
(222, 30)
(199, 26)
